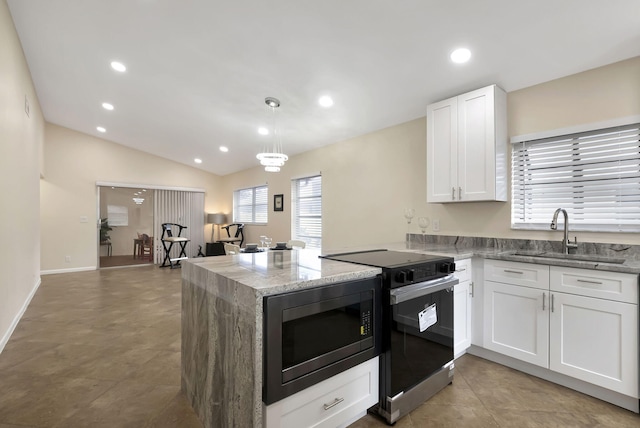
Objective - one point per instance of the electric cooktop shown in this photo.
(385, 258)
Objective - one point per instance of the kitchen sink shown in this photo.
(576, 257)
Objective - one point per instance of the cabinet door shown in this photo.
(596, 341)
(476, 145)
(461, 318)
(442, 151)
(515, 323)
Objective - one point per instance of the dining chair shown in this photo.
(233, 237)
(146, 247)
(168, 239)
(230, 249)
(296, 243)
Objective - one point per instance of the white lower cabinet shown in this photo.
(589, 338)
(462, 301)
(334, 402)
(515, 322)
(596, 341)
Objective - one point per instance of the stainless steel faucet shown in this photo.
(567, 245)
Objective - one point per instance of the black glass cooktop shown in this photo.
(385, 258)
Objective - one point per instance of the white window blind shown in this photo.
(250, 205)
(184, 208)
(306, 203)
(593, 175)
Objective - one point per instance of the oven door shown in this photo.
(421, 341)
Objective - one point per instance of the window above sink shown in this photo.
(594, 174)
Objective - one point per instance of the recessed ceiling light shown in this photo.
(118, 66)
(107, 106)
(325, 101)
(101, 129)
(263, 131)
(224, 149)
(196, 160)
(461, 55)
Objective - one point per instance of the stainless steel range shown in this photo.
(417, 327)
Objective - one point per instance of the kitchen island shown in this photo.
(222, 305)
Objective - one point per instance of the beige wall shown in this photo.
(366, 184)
(369, 180)
(74, 163)
(21, 140)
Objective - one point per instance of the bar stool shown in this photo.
(168, 240)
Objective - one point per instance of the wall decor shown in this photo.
(278, 202)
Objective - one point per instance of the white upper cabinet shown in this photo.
(467, 147)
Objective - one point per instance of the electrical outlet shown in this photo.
(436, 225)
(67, 259)
(84, 219)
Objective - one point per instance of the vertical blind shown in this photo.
(183, 208)
(250, 205)
(593, 175)
(306, 202)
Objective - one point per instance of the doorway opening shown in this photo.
(126, 226)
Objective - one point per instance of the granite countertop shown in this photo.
(582, 261)
(273, 272)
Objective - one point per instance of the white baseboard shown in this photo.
(16, 319)
(69, 270)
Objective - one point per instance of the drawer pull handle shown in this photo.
(544, 297)
(552, 306)
(589, 282)
(334, 403)
(514, 271)
(471, 289)
(460, 270)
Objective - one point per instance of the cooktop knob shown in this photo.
(447, 267)
(401, 277)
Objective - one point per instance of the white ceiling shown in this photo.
(199, 70)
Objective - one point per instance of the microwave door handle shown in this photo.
(409, 292)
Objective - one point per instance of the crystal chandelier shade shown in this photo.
(272, 157)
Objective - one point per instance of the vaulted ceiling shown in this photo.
(198, 71)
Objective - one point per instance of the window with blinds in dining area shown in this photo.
(306, 206)
(250, 205)
(593, 175)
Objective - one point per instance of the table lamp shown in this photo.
(216, 219)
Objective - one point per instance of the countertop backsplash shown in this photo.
(420, 242)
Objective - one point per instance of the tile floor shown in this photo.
(102, 349)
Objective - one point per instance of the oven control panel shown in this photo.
(420, 273)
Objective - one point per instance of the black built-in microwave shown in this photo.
(313, 334)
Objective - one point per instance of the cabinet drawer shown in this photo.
(620, 287)
(463, 270)
(515, 273)
(330, 403)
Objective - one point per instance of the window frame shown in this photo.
(311, 241)
(530, 195)
(254, 204)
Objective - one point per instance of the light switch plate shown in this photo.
(84, 219)
(436, 225)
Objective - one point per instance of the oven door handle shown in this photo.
(402, 294)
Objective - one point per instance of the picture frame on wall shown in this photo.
(278, 202)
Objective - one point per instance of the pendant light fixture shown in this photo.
(272, 158)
